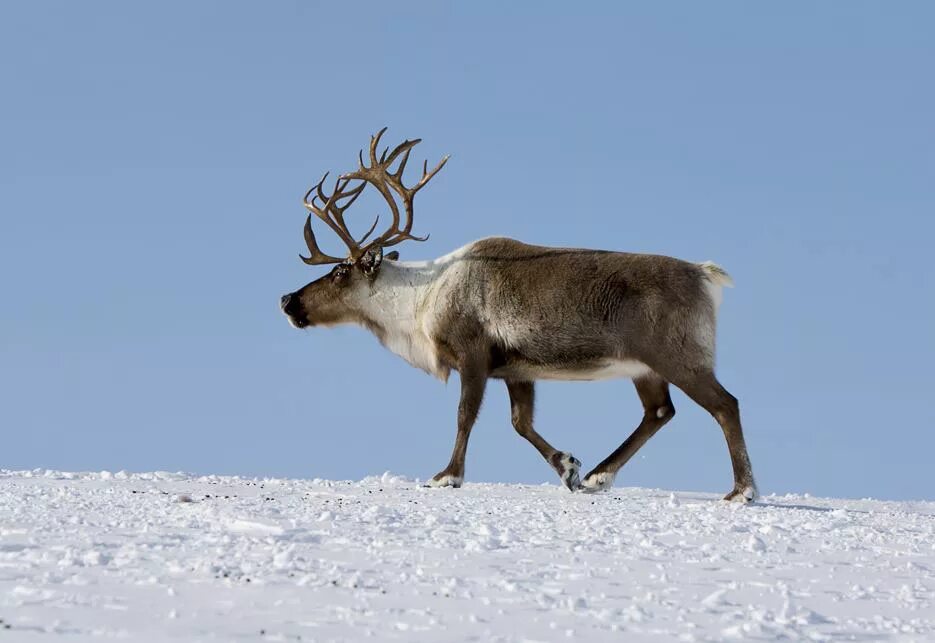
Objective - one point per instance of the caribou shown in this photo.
(501, 309)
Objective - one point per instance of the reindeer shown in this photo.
(499, 308)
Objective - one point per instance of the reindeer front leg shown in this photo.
(522, 401)
(473, 383)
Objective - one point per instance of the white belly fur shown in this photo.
(613, 369)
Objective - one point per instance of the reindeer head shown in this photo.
(330, 299)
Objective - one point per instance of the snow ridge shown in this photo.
(170, 556)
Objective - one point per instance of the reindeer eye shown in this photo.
(340, 273)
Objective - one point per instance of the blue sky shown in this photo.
(152, 158)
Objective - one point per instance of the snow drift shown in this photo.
(160, 556)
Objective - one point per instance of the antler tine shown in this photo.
(353, 193)
(402, 164)
(370, 231)
(427, 176)
(374, 143)
(309, 204)
(399, 237)
(317, 257)
(338, 193)
(404, 147)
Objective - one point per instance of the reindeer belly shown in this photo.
(584, 371)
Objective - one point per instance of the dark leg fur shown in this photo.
(657, 411)
(473, 383)
(522, 401)
(704, 388)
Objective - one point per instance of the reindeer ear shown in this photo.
(392, 256)
(370, 262)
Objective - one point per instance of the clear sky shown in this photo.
(153, 156)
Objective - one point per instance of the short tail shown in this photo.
(716, 274)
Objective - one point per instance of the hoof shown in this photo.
(595, 482)
(445, 480)
(567, 466)
(743, 495)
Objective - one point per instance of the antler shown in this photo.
(379, 176)
(333, 215)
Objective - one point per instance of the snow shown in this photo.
(161, 556)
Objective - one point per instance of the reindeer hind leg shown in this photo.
(657, 411)
(704, 388)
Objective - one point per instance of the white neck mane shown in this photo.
(402, 301)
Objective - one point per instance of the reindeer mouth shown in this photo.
(297, 323)
(288, 306)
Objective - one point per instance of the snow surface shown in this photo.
(160, 556)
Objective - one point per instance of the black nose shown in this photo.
(285, 301)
